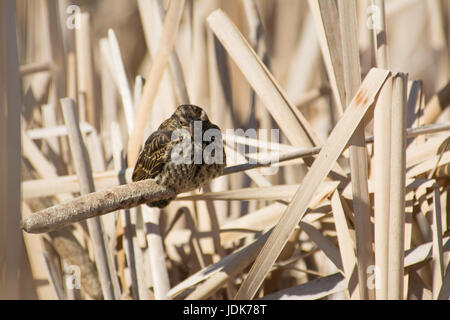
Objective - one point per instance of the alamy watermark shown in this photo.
(195, 146)
(73, 20)
(374, 17)
(373, 279)
(72, 277)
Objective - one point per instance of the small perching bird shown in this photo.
(183, 154)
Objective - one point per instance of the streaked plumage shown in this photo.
(155, 161)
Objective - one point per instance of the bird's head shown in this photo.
(189, 116)
(188, 113)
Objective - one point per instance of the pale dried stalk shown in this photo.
(326, 18)
(323, 243)
(85, 68)
(56, 131)
(444, 294)
(379, 34)
(270, 193)
(165, 101)
(194, 236)
(35, 67)
(121, 80)
(166, 44)
(381, 169)
(319, 170)
(409, 211)
(291, 121)
(312, 290)
(129, 239)
(219, 84)
(325, 286)
(55, 42)
(160, 276)
(64, 184)
(312, 95)
(218, 274)
(437, 27)
(109, 97)
(257, 177)
(258, 42)
(358, 152)
(438, 251)
(293, 124)
(152, 16)
(397, 184)
(382, 128)
(64, 243)
(33, 246)
(414, 108)
(213, 222)
(84, 172)
(66, 246)
(306, 59)
(437, 105)
(175, 67)
(438, 164)
(72, 86)
(265, 218)
(443, 171)
(220, 109)
(138, 88)
(52, 271)
(346, 246)
(258, 221)
(232, 138)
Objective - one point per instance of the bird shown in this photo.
(183, 154)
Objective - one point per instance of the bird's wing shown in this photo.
(152, 158)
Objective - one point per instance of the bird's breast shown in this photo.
(187, 177)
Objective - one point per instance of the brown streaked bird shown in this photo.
(179, 135)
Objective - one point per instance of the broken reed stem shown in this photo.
(84, 173)
(294, 213)
(36, 67)
(166, 44)
(397, 198)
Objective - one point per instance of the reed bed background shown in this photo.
(356, 207)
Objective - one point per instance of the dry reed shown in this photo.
(351, 202)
